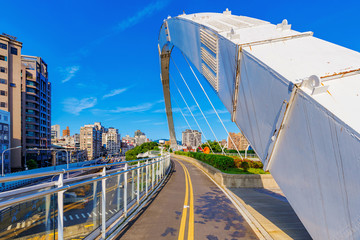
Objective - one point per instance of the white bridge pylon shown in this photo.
(296, 98)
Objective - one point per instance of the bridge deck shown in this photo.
(214, 215)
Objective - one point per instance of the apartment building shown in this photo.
(91, 140)
(191, 138)
(240, 141)
(36, 107)
(66, 132)
(55, 132)
(5, 138)
(111, 141)
(10, 91)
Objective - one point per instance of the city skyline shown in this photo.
(95, 83)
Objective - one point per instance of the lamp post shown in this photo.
(2, 158)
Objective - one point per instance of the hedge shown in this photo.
(218, 161)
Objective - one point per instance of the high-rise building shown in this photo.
(10, 91)
(138, 133)
(91, 140)
(191, 138)
(5, 138)
(36, 107)
(240, 141)
(111, 141)
(66, 132)
(55, 132)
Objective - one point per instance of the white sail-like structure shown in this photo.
(295, 97)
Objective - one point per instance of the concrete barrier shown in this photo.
(233, 180)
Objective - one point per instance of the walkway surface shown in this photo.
(189, 209)
(272, 210)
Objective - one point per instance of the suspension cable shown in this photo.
(212, 105)
(222, 149)
(190, 112)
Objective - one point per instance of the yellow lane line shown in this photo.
(184, 213)
(191, 209)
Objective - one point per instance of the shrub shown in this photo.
(245, 165)
(218, 161)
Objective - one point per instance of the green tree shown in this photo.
(31, 164)
(132, 154)
(215, 146)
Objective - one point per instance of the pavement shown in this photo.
(190, 206)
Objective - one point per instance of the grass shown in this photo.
(249, 171)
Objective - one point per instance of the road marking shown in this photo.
(95, 214)
(28, 223)
(77, 216)
(111, 211)
(188, 193)
(23, 225)
(65, 218)
(89, 214)
(184, 212)
(9, 227)
(71, 218)
(90, 225)
(83, 215)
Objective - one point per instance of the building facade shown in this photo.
(10, 91)
(5, 138)
(111, 141)
(91, 140)
(55, 132)
(66, 132)
(36, 107)
(239, 140)
(191, 138)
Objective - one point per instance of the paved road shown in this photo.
(189, 209)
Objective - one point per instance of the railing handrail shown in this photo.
(57, 172)
(13, 201)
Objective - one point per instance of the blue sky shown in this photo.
(103, 60)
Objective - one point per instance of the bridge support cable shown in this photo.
(191, 113)
(222, 149)
(192, 70)
(187, 122)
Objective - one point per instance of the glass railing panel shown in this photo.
(114, 195)
(82, 208)
(34, 219)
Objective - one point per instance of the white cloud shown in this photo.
(138, 108)
(219, 111)
(140, 15)
(115, 92)
(159, 123)
(75, 106)
(69, 72)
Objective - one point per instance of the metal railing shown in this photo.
(98, 202)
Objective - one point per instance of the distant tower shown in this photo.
(66, 132)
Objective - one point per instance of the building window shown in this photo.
(12, 85)
(6, 128)
(3, 58)
(2, 104)
(3, 46)
(3, 81)
(3, 70)
(3, 93)
(6, 118)
(13, 51)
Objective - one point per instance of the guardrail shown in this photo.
(97, 203)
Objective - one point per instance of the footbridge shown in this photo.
(294, 97)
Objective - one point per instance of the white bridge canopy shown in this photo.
(295, 97)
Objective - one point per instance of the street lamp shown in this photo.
(2, 158)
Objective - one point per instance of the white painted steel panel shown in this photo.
(316, 158)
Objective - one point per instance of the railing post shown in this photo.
(118, 191)
(138, 184)
(157, 171)
(103, 204)
(60, 208)
(132, 184)
(147, 177)
(142, 179)
(125, 189)
(153, 174)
